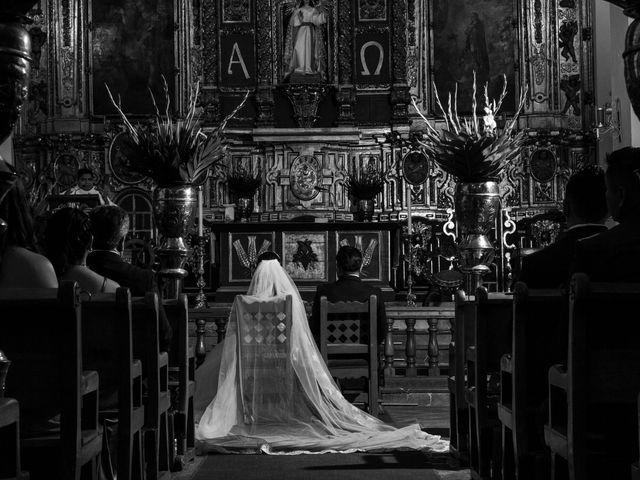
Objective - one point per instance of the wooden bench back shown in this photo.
(108, 346)
(40, 332)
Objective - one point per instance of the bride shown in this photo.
(314, 418)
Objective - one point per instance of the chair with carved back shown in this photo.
(41, 334)
(182, 378)
(349, 343)
(490, 339)
(592, 426)
(108, 347)
(458, 409)
(155, 370)
(538, 317)
(264, 344)
(11, 466)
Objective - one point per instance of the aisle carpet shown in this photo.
(363, 466)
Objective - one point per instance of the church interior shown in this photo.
(439, 139)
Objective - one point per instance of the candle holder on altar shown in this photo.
(201, 297)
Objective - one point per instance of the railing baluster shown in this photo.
(411, 347)
(221, 328)
(201, 349)
(388, 349)
(434, 348)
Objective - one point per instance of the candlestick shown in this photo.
(409, 226)
(201, 297)
(200, 211)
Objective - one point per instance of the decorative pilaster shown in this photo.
(400, 90)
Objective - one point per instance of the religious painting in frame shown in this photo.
(469, 37)
(371, 244)
(244, 249)
(131, 47)
(305, 255)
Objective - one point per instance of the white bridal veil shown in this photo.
(307, 413)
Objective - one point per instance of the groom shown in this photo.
(348, 287)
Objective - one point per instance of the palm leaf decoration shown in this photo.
(173, 152)
(472, 149)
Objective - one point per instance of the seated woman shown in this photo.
(20, 265)
(68, 241)
(314, 416)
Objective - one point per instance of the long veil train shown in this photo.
(316, 419)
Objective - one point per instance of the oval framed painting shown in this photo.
(305, 175)
(121, 155)
(415, 167)
(543, 165)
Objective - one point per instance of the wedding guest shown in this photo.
(68, 241)
(614, 255)
(110, 225)
(348, 287)
(20, 265)
(585, 209)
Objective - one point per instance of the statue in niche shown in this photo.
(304, 57)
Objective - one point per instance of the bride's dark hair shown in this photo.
(268, 255)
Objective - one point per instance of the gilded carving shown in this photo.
(305, 175)
(399, 41)
(345, 43)
(263, 42)
(372, 10)
(236, 11)
(210, 41)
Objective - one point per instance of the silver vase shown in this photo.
(477, 205)
(244, 209)
(173, 214)
(365, 208)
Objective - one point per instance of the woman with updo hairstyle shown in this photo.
(68, 241)
(20, 265)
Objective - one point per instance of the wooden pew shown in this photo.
(635, 468)
(592, 402)
(155, 369)
(491, 338)
(107, 338)
(458, 409)
(41, 334)
(182, 368)
(538, 318)
(10, 466)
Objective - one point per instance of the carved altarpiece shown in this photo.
(379, 54)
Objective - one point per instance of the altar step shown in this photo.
(423, 391)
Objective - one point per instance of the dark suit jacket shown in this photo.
(347, 288)
(550, 267)
(138, 280)
(611, 256)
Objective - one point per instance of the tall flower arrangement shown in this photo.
(473, 149)
(173, 151)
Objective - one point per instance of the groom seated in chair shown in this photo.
(348, 287)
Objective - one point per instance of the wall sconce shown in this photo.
(608, 120)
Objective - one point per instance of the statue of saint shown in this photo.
(304, 58)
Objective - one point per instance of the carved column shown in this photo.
(209, 94)
(70, 92)
(400, 90)
(264, 95)
(346, 95)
